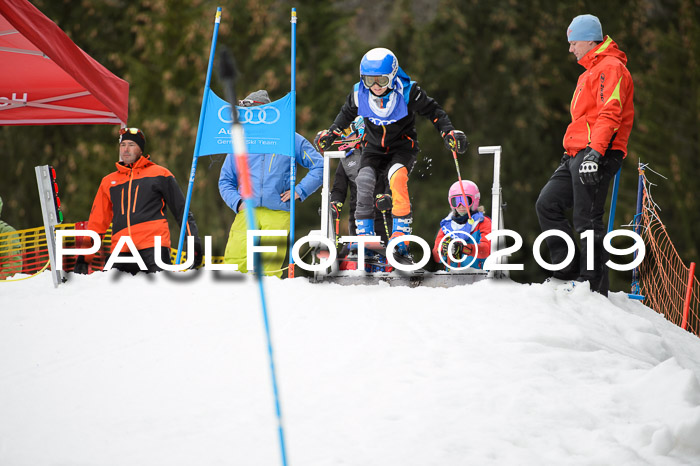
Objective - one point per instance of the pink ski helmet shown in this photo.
(455, 198)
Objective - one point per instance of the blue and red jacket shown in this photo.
(478, 229)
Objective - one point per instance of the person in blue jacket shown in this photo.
(269, 174)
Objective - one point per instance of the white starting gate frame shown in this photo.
(327, 230)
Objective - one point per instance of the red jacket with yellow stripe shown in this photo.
(135, 200)
(602, 111)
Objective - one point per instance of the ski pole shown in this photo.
(337, 206)
(459, 177)
(386, 225)
(227, 71)
(337, 235)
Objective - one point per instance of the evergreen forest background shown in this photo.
(500, 68)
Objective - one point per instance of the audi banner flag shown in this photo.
(268, 128)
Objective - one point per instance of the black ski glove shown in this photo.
(456, 140)
(588, 171)
(81, 267)
(446, 245)
(459, 249)
(383, 202)
(324, 139)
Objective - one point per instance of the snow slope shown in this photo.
(166, 369)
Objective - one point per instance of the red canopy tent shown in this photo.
(45, 79)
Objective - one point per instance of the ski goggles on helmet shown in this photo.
(458, 200)
(382, 81)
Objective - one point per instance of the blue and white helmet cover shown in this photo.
(380, 62)
(358, 126)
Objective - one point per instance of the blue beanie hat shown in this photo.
(585, 27)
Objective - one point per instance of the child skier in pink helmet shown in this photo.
(453, 246)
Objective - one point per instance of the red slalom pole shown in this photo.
(688, 293)
(459, 177)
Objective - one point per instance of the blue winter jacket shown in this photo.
(269, 174)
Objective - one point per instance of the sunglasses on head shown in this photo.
(382, 81)
(249, 103)
(130, 131)
(458, 200)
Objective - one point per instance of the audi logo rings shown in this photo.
(259, 115)
(251, 115)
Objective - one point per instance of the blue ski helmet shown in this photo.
(379, 62)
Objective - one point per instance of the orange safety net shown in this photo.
(663, 278)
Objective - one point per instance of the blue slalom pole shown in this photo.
(636, 289)
(640, 198)
(292, 160)
(197, 143)
(613, 201)
(240, 151)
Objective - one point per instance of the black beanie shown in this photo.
(134, 134)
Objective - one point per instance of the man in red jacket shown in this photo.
(595, 143)
(134, 199)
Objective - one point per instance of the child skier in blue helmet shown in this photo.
(388, 100)
(461, 241)
(345, 176)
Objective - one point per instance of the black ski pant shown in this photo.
(374, 165)
(148, 257)
(565, 191)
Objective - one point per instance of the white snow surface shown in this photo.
(168, 369)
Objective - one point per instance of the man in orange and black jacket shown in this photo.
(602, 113)
(134, 199)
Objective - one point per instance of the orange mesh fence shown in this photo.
(663, 277)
